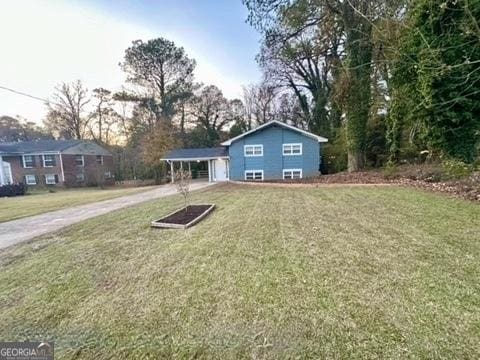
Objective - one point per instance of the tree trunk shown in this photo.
(358, 45)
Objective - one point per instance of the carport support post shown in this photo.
(190, 169)
(171, 172)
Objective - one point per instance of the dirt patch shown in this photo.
(184, 217)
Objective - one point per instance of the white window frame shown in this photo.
(291, 173)
(253, 174)
(43, 159)
(29, 182)
(48, 182)
(24, 164)
(108, 174)
(83, 160)
(289, 148)
(101, 159)
(260, 146)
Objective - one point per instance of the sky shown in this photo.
(46, 42)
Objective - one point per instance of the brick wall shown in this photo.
(93, 172)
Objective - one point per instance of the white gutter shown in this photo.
(61, 167)
(2, 175)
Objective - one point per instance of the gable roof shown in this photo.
(196, 154)
(279, 123)
(23, 147)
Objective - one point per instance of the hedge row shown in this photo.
(13, 190)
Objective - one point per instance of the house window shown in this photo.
(292, 149)
(99, 159)
(254, 175)
(30, 180)
(50, 179)
(79, 161)
(48, 160)
(28, 161)
(80, 177)
(253, 150)
(108, 175)
(292, 173)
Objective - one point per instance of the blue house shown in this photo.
(272, 151)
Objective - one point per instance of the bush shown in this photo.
(390, 171)
(13, 190)
(456, 169)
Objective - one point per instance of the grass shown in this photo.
(41, 202)
(344, 272)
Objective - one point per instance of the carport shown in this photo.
(216, 158)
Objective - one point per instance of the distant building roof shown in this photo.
(196, 154)
(22, 147)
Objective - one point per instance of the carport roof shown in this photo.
(196, 154)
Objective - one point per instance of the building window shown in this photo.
(99, 159)
(292, 173)
(50, 179)
(253, 150)
(30, 180)
(292, 149)
(79, 160)
(28, 161)
(48, 160)
(108, 175)
(254, 175)
(80, 177)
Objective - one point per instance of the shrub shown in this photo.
(390, 171)
(456, 169)
(13, 190)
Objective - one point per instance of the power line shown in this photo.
(25, 94)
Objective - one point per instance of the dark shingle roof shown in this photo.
(36, 146)
(196, 153)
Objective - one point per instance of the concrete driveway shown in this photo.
(16, 231)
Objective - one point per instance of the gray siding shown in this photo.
(273, 162)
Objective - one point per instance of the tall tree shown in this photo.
(103, 115)
(67, 113)
(163, 70)
(18, 129)
(437, 79)
(210, 112)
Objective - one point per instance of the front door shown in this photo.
(220, 170)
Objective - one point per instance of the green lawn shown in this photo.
(37, 203)
(341, 273)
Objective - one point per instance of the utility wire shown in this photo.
(25, 94)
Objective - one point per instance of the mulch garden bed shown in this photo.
(184, 217)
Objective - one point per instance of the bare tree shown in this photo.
(182, 181)
(67, 115)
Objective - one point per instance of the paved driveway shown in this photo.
(13, 232)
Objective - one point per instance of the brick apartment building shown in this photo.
(70, 163)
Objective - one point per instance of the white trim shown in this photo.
(196, 158)
(31, 183)
(291, 171)
(47, 182)
(61, 167)
(2, 175)
(23, 161)
(96, 159)
(253, 151)
(43, 160)
(253, 171)
(291, 145)
(306, 133)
